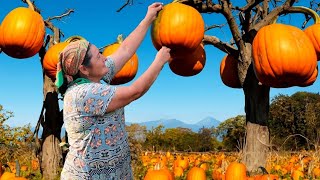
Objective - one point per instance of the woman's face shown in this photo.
(96, 68)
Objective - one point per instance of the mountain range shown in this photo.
(207, 122)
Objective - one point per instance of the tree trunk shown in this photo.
(257, 113)
(51, 160)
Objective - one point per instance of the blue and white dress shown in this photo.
(99, 147)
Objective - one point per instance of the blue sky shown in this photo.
(189, 99)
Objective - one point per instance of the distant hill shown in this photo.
(207, 122)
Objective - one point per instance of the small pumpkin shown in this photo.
(196, 173)
(186, 63)
(128, 71)
(22, 33)
(236, 169)
(159, 173)
(229, 71)
(177, 26)
(283, 56)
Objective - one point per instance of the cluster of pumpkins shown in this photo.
(283, 55)
(22, 36)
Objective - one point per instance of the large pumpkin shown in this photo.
(177, 26)
(51, 57)
(229, 72)
(128, 71)
(236, 171)
(188, 63)
(283, 56)
(22, 33)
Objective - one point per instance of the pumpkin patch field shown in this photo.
(226, 166)
(251, 64)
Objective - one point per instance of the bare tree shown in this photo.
(244, 23)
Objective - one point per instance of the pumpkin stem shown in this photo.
(120, 38)
(30, 5)
(157, 166)
(305, 10)
(264, 171)
(179, 1)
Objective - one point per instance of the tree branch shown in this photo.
(123, 6)
(216, 42)
(214, 26)
(31, 5)
(272, 15)
(226, 11)
(67, 13)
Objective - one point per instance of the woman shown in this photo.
(93, 112)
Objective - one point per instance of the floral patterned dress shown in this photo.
(98, 141)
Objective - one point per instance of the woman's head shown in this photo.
(80, 59)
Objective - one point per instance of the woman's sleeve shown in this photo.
(97, 99)
(111, 66)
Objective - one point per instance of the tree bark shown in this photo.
(51, 160)
(257, 112)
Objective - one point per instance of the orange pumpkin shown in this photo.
(188, 63)
(159, 173)
(51, 59)
(7, 175)
(283, 56)
(128, 71)
(229, 72)
(177, 26)
(22, 33)
(314, 35)
(196, 173)
(237, 171)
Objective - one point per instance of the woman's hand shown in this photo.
(153, 10)
(163, 55)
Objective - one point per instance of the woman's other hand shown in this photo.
(153, 10)
(163, 54)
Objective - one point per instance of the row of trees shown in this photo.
(294, 124)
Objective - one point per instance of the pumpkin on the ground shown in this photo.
(284, 56)
(22, 33)
(236, 169)
(128, 71)
(196, 173)
(177, 26)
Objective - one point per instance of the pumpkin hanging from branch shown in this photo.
(179, 27)
(284, 56)
(51, 57)
(129, 70)
(229, 71)
(188, 63)
(22, 33)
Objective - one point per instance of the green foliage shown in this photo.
(16, 144)
(294, 120)
(232, 132)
